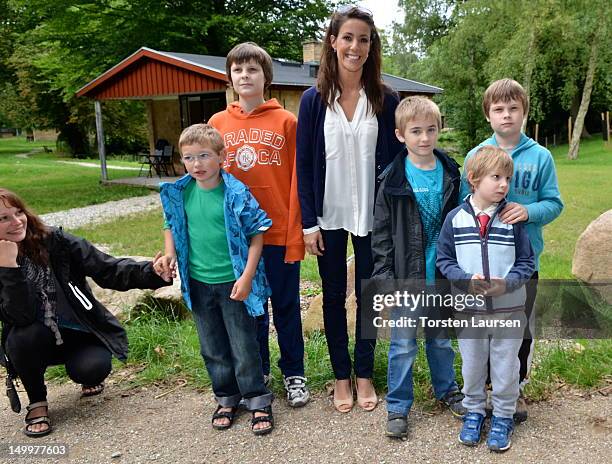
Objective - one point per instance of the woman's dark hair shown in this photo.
(32, 245)
(328, 80)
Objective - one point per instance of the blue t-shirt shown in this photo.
(427, 188)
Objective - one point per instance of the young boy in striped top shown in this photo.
(481, 254)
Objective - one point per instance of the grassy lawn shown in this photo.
(135, 235)
(14, 145)
(140, 235)
(587, 193)
(47, 185)
(169, 348)
(584, 184)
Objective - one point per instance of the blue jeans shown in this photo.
(402, 353)
(229, 346)
(284, 281)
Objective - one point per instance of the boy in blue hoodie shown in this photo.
(533, 196)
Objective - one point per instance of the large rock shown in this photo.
(119, 302)
(313, 320)
(171, 293)
(592, 261)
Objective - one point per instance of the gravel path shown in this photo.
(141, 426)
(97, 165)
(27, 155)
(104, 212)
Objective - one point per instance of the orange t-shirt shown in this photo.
(260, 149)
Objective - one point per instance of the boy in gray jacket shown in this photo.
(482, 255)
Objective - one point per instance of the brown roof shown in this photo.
(150, 73)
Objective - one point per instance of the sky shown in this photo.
(384, 11)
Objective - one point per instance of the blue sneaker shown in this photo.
(500, 433)
(472, 428)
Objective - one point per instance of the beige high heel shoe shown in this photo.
(344, 405)
(367, 403)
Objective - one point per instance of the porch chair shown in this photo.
(160, 160)
(165, 162)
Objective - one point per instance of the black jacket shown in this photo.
(72, 259)
(398, 244)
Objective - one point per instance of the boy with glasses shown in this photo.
(213, 232)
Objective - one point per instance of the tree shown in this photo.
(456, 62)
(597, 28)
(72, 41)
(424, 22)
(543, 44)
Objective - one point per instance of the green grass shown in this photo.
(584, 185)
(170, 350)
(141, 235)
(135, 235)
(586, 192)
(14, 145)
(580, 363)
(48, 186)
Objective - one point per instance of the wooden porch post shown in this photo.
(100, 135)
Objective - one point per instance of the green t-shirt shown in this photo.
(209, 258)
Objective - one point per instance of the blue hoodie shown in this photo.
(534, 185)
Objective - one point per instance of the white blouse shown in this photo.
(350, 152)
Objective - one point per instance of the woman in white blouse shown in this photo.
(345, 139)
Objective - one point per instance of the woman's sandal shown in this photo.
(344, 406)
(229, 415)
(267, 418)
(367, 403)
(93, 390)
(29, 421)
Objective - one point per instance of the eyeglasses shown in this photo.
(193, 158)
(354, 8)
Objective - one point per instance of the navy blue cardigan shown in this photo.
(311, 150)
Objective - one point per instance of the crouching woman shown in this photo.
(49, 315)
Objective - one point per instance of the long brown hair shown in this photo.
(32, 245)
(328, 80)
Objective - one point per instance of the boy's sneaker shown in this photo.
(500, 433)
(397, 426)
(454, 402)
(297, 391)
(472, 429)
(521, 410)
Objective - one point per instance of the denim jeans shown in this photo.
(402, 353)
(332, 268)
(284, 280)
(229, 346)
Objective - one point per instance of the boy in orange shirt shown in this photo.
(259, 137)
